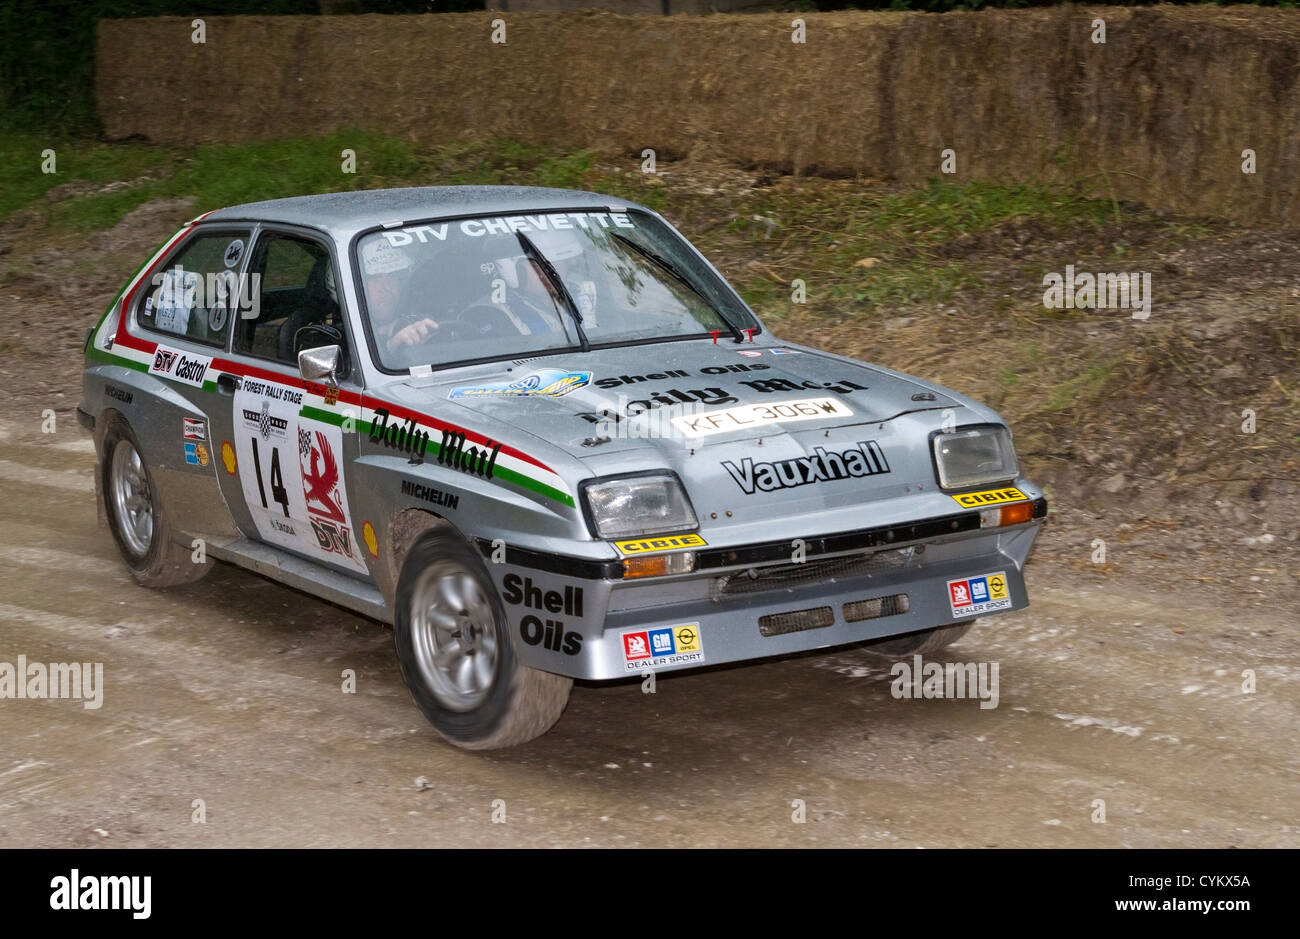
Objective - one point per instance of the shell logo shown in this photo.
(372, 543)
(228, 457)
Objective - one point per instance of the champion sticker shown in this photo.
(976, 596)
(194, 429)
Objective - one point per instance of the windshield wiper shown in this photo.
(531, 252)
(680, 278)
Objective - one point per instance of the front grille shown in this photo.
(778, 624)
(859, 610)
(786, 576)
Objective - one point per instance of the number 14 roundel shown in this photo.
(291, 471)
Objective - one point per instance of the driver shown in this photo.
(388, 274)
(532, 299)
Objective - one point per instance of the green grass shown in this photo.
(1079, 390)
(21, 178)
(218, 176)
(864, 251)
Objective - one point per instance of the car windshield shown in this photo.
(512, 286)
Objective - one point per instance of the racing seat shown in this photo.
(315, 308)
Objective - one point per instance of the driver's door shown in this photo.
(285, 459)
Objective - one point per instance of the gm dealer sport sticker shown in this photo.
(664, 543)
(291, 471)
(758, 415)
(663, 647)
(978, 500)
(976, 596)
(544, 383)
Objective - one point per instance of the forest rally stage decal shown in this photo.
(291, 471)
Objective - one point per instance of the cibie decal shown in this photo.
(756, 415)
(291, 470)
(978, 500)
(662, 543)
(181, 366)
(194, 430)
(662, 647)
(544, 383)
(976, 596)
(865, 458)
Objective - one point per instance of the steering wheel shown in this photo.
(484, 319)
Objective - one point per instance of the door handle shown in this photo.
(227, 384)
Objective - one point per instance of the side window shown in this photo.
(298, 304)
(197, 294)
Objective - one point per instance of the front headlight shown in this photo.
(975, 457)
(638, 505)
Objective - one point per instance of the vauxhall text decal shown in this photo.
(863, 459)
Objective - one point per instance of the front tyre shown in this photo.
(140, 525)
(456, 655)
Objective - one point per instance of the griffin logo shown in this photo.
(320, 479)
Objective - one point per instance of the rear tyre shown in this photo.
(922, 643)
(454, 648)
(136, 516)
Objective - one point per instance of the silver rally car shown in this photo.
(538, 433)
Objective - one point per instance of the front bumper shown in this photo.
(599, 628)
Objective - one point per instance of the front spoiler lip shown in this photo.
(769, 552)
(730, 633)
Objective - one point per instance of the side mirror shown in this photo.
(321, 364)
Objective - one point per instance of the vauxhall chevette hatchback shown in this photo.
(540, 435)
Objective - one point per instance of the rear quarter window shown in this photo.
(195, 295)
